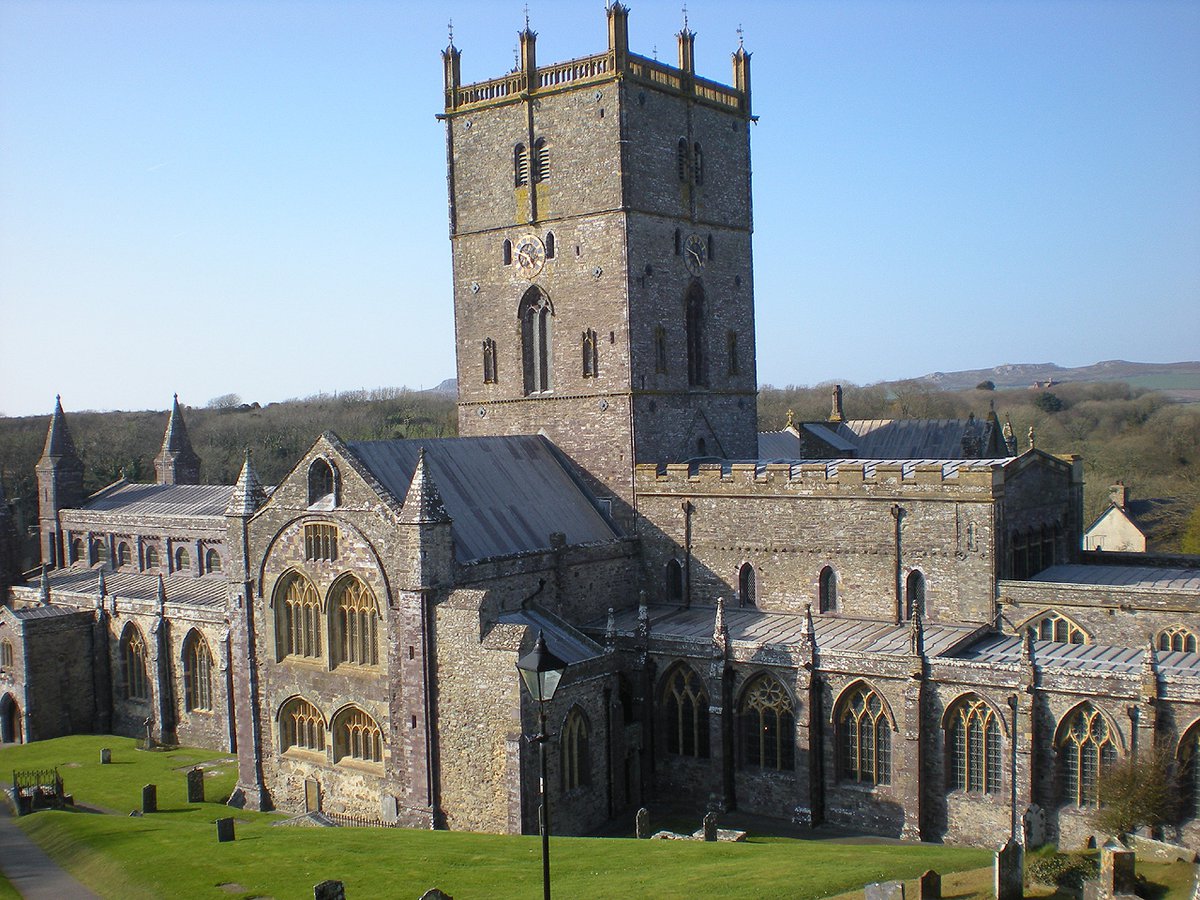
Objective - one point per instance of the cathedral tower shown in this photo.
(600, 225)
(60, 484)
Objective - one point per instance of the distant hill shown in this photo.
(1180, 380)
(448, 388)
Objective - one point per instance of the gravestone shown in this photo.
(885, 890)
(641, 823)
(195, 785)
(224, 830)
(1034, 822)
(389, 809)
(105, 756)
(329, 890)
(1117, 870)
(150, 798)
(1009, 882)
(710, 826)
(931, 886)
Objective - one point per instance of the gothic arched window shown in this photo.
(973, 747)
(297, 618)
(1054, 626)
(355, 622)
(549, 244)
(747, 594)
(681, 160)
(698, 164)
(864, 732)
(197, 673)
(674, 581)
(685, 706)
(541, 162)
(1086, 749)
(1189, 772)
(301, 726)
(133, 664)
(322, 483)
(520, 165)
(6, 654)
(535, 315)
(768, 725)
(1179, 638)
(590, 354)
(827, 590)
(576, 760)
(357, 736)
(489, 361)
(697, 370)
(914, 594)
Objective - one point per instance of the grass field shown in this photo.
(175, 853)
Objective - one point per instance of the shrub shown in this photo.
(1067, 870)
(1048, 402)
(988, 385)
(1137, 790)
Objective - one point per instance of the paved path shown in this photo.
(34, 874)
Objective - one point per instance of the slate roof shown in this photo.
(163, 500)
(180, 589)
(565, 643)
(832, 633)
(1097, 658)
(43, 612)
(950, 467)
(1142, 577)
(880, 438)
(505, 495)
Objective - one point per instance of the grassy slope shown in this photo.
(175, 853)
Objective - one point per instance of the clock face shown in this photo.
(530, 255)
(694, 254)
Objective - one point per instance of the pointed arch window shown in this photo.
(864, 733)
(914, 594)
(1189, 772)
(682, 162)
(133, 665)
(973, 747)
(297, 618)
(697, 369)
(590, 354)
(6, 655)
(768, 725)
(322, 483)
(549, 244)
(355, 622)
(535, 315)
(302, 727)
(1086, 749)
(506, 253)
(1054, 626)
(520, 165)
(747, 588)
(197, 673)
(698, 164)
(541, 160)
(685, 704)
(489, 361)
(827, 590)
(674, 581)
(1179, 638)
(576, 760)
(357, 737)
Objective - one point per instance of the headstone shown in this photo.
(1034, 822)
(435, 894)
(710, 826)
(641, 823)
(195, 785)
(885, 890)
(1009, 882)
(389, 809)
(224, 830)
(329, 890)
(1117, 870)
(105, 756)
(150, 798)
(931, 886)
(148, 724)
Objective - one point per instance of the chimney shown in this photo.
(835, 412)
(1118, 495)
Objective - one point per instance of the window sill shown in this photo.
(303, 754)
(364, 766)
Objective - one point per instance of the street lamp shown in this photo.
(541, 671)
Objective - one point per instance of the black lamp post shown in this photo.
(541, 671)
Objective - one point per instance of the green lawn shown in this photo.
(175, 853)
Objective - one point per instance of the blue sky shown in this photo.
(212, 196)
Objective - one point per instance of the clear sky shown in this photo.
(217, 197)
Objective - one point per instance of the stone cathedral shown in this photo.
(883, 625)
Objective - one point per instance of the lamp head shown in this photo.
(541, 671)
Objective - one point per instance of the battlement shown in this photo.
(528, 79)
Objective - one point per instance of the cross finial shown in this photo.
(526, 16)
(450, 29)
(685, 22)
(516, 59)
(741, 37)
(654, 50)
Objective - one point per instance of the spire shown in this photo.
(177, 462)
(423, 503)
(58, 437)
(248, 494)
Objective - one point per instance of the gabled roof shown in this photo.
(883, 439)
(1141, 577)
(163, 500)
(504, 495)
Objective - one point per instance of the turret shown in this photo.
(60, 484)
(741, 71)
(432, 546)
(618, 34)
(177, 462)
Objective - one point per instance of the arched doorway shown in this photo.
(11, 724)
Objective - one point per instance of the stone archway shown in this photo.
(11, 724)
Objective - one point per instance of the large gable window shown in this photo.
(322, 484)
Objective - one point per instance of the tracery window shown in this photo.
(827, 590)
(357, 736)
(746, 585)
(1054, 626)
(489, 361)
(321, 482)
(697, 365)
(212, 561)
(535, 341)
(864, 738)
(590, 354)
(6, 655)
(183, 559)
(197, 673)
(1189, 772)
(298, 618)
(674, 581)
(302, 726)
(1086, 749)
(541, 160)
(1179, 638)
(685, 703)
(133, 664)
(520, 165)
(576, 761)
(124, 554)
(973, 747)
(152, 559)
(768, 725)
(355, 621)
(321, 541)
(681, 160)
(914, 594)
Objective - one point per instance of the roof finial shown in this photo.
(791, 422)
(526, 16)
(450, 29)
(741, 37)
(685, 21)
(1032, 439)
